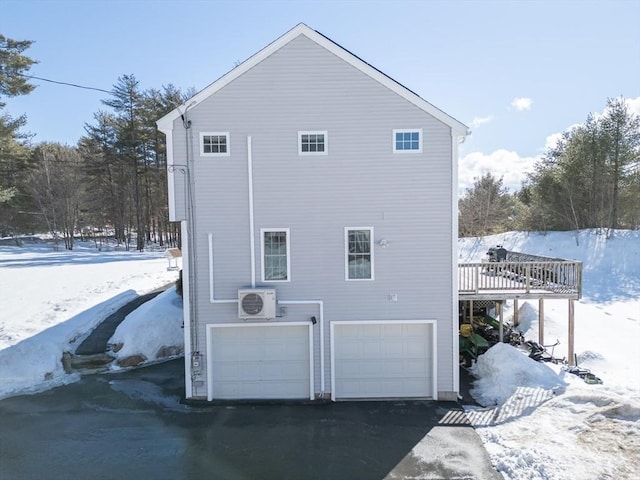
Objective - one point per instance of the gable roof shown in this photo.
(166, 123)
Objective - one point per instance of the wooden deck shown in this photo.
(553, 278)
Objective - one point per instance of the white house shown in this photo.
(318, 203)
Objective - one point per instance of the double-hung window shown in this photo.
(407, 140)
(214, 144)
(313, 143)
(358, 253)
(276, 265)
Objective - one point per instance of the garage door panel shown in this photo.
(259, 362)
(383, 360)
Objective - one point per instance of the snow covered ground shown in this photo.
(50, 300)
(542, 422)
(539, 421)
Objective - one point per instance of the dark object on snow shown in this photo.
(539, 352)
(497, 254)
(179, 284)
(584, 373)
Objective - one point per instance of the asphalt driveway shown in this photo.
(132, 425)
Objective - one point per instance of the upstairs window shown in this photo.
(214, 144)
(358, 253)
(312, 143)
(275, 255)
(407, 141)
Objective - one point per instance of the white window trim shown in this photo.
(346, 255)
(219, 134)
(287, 232)
(406, 130)
(313, 132)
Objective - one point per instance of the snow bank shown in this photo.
(154, 330)
(35, 364)
(503, 369)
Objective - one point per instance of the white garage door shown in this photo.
(259, 361)
(382, 360)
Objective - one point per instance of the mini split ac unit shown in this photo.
(257, 303)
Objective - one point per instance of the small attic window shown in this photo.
(312, 143)
(214, 144)
(407, 141)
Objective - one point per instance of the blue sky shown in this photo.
(516, 72)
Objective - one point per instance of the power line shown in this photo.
(65, 83)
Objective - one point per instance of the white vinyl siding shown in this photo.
(214, 144)
(276, 264)
(358, 253)
(408, 203)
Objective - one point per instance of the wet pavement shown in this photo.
(132, 425)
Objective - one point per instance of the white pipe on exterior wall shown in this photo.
(212, 292)
(252, 239)
(320, 304)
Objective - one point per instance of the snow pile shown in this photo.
(153, 331)
(503, 369)
(35, 364)
(51, 300)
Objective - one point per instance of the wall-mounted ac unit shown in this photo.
(257, 303)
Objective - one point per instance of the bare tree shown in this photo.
(56, 185)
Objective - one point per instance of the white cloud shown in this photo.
(552, 140)
(477, 121)
(521, 103)
(634, 105)
(505, 164)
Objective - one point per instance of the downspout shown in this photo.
(252, 240)
(191, 235)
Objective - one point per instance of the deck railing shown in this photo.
(559, 277)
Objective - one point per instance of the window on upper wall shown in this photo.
(358, 253)
(313, 143)
(407, 140)
(275, 255)
(214, 144)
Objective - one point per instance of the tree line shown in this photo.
(589, 179)
(113, 182)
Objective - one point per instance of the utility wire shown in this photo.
(65, 83)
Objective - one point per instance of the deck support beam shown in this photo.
(501, 323)
(541, 321)
(571, 332)
(516, 316)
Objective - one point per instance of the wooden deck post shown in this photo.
(516, 316)
(501, 329)
(541, 321)
(571, 332)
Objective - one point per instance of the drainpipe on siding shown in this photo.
(252, 240)
(191, 235)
